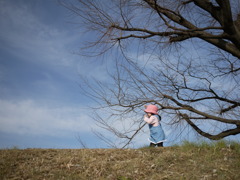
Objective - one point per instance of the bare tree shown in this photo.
(183, 55)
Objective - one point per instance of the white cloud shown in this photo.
(26, 117)
(27, 35)
(32, 39)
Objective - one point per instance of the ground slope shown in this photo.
(146, 163)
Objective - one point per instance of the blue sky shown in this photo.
(40, 100)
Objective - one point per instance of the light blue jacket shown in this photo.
(157, 134)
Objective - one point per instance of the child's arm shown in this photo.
(149, 120)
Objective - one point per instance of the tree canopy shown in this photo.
(182, 55)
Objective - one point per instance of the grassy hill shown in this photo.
(189, 161)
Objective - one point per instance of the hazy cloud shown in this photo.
(27, 117)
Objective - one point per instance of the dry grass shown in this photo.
(180, 162)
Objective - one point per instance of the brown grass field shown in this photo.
(189, 161)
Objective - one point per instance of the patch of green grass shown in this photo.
(186, 145)
(123, 178)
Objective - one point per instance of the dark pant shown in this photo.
(158, 145)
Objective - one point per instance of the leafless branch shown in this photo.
(192, 72)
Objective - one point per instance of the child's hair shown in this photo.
(159, 117)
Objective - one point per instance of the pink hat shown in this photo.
(151, 109)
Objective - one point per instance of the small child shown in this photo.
(157, 136)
